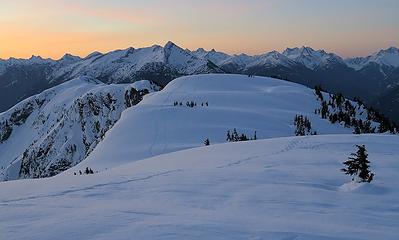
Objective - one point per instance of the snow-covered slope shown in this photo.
(287, 188)
(155, 126)
(52, 131)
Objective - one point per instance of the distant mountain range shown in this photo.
(369, 77)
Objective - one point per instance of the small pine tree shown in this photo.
(235, 136)
(357, 130)
(243, 137)
(357, 165)
(207, 142)
(228, 138)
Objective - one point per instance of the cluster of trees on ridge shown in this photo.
(190, 104)
(337, 109)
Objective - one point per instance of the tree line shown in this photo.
(234, 136)
(87, 171)
(337, 109)
(190, 104)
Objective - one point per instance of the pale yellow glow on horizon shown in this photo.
(53, 28)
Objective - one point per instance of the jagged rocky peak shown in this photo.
(170, 45)
(311, 58)
(384, 58)
(275, 54)
(388, 57)
(69, 58)
(390, 50)
(303, 51)
(93, 54)
(307, 50)
(200, 50)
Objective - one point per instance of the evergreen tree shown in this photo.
(243, 137)
(228, 138)
(324, 110)
(235, 136)
(318, 92)
(207, 142)
(357, 130)
(303, 126)
(357, 165)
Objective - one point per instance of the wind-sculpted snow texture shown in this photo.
(285, 188)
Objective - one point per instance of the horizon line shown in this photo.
(191, 50)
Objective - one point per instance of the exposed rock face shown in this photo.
(62, 126)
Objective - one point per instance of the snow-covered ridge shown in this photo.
(52, 131)
(223, 102)
(132, 64)
(127, 65)
(304, 56)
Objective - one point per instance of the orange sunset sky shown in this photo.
(53, 28)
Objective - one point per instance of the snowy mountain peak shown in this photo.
(274, 52)
(69, 58)
(273, 58)
(93, 54)
(129, 50)
(170, 44)
(35, 58)
(312, 58)
(307, 50)
(200, 51)
(388, 57)
(38, 60)
(295, 52)
(391, 50)
(384, 58)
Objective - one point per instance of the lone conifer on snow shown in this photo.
(358, 166)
